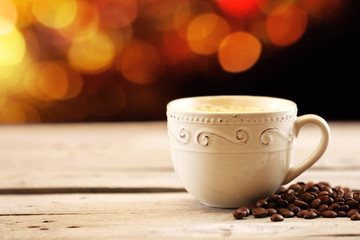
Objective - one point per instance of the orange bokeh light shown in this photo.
(55, 14)
(239, 51)
(46, 81)
(205, 33)
(286, 24)
(92, 54)
(12, 112)
(85, 23)
(140, 62)
(8, 16)
(182, 50)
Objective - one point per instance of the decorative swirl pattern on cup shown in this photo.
(203, 139)
(241, 137)
(183, 136)
(267, 136)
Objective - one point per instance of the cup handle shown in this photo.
(319, 122)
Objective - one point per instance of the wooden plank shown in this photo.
(149, 216)
(126, 155)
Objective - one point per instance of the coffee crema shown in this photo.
(228, 108)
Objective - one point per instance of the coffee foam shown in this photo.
(228, 108)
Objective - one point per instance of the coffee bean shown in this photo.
(340, 193)
(247, 210)
(355, 217)
(301, 204)
(344, 208)
(272, 205)
(341, 214)
(259, 212)
(352, 204)
(292, 207)
(289, 197)
(310, 215)
(339, 199)
(315, 211)
(271, 211)
(301, 213)
(316, 203)
(261, 203)
(281, 190)
(351, 212)
(288, 214)
(276, 218)
(280, 210)
(313, 189)
(334, 207)
(296, 187)
(329, 214)
(273, 198)
(239, 214)
(327, 200)
(282, 203)
(356, 196)
(307, 197)
(322, 208)
(328, 189)
(323, 193)
(348, 196)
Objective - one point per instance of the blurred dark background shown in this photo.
(133, 73)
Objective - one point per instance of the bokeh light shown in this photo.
(236, 8)
(8, 16)
(55, 14)
(117, 14)
(92, 54)
(239, 51)
(12, 48)
(286, 24)
(205, 33)
(140, 62)
(322, 9)
(80, 60)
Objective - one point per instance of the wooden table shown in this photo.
(115, 181)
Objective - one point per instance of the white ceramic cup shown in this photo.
(230, 151)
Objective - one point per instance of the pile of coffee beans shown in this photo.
(305, 200)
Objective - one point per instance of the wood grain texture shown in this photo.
(149, 216)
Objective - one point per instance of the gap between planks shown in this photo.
(90, 190)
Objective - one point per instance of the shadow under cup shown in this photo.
(230, 151)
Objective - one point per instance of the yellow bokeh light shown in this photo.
(206, 32)
(286, 24)
(55, 14)
(12, 48)
(85, 24)
(8, 16)
(239, 51)
(140, 62)
(93, 54)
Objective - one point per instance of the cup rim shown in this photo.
(288, 105)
